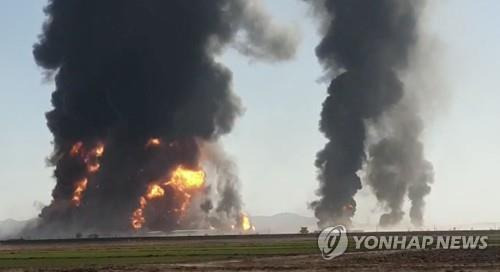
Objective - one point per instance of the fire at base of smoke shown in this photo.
(149, 87)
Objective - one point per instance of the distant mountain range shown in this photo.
(278, 223)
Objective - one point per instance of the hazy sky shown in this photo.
(275, 141)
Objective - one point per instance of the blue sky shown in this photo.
(275, 141)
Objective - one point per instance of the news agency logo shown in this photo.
(332, 242)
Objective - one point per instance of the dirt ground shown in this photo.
(245, 253)
(426, 260)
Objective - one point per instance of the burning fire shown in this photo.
(91, 160)
(186, 179)
(92, 168)
(81, 186)
(246, 224)
(75, 149)
(155, 191)
(153, 142)
(183, 180)
(138, 219)
(98, 151)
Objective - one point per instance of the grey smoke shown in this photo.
(261, 37)
(224, 204)
(397, 167)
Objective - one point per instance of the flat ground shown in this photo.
(233, 253)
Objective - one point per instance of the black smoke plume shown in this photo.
(365, 44)
(397, 167)
(129, 75)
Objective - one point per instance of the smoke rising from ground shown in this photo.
(130, 71)
(225, 201)
(365, 45)
(397, 167)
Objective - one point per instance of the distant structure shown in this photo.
(304, 230)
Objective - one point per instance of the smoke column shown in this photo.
(138, 92)
(397, 166)
(365, 44)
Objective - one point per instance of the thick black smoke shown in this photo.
(128, 71)
(397, 166)
(365, 43)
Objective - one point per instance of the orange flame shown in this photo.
(155, 191)
(81, 186)
(91, 160)
(98, 151)
(92, 168)
(75, 149)
(138, 219)
(185, 181)
(153, 142)
(246, 225)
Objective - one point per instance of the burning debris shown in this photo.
(81, 186)
(91, 161)
(153, 142)
(183, 181)
(365, 45)
(138, 97)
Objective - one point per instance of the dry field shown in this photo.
(231, 253)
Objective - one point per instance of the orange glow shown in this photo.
(245, 222)
(91, 160)
(138, 219)
(153, 142)
(183, 180)
(98, 151)
(155, 191)
(186, 179)
(92, 168)
(75, 149)
(143, 202)
(81, 186)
